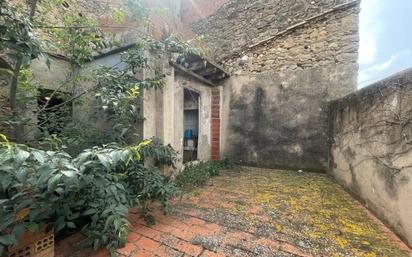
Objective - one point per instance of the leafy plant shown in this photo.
(160, 153)
(100, 184)
(196, 175)
(77, 174)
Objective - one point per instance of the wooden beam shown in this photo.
(198, 65)
(191, 73)
(216, 76)
(207, 71)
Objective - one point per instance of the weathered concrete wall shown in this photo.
(54, 78)
(4, 104)
(275, 104)
(163, 113)
(371, 151)
(205, 117)
(279, 119)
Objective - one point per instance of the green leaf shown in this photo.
(18, 230)
(21, 156)
(53, 182)
(39, 156)
(45, 171)
(8, 240)
(89, 212)
(34, 227)
(104, 160)
(60, 226)
(22, 175)
(68, 173)
(5, 182)
(70, 225)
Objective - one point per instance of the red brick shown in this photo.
(238, 237)
(163, 227)
(215, 228)
(195, 221)
(190, 249)
(147, 244)
(201, 230)
(147, 232)
(165, 251)
(292, 250)
(207, 253)
(142, 253)
(183, 234)
(128, 249)
(133, 237)
(216, 152)
(215, 127)
(170, 221)
(216, 157)
(215, 149)
(168, 240)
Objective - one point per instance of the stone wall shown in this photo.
(320, 43)
(275, 103)
(371, 148)
(239, 24)
(195, 10)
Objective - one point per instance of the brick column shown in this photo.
(215, 124)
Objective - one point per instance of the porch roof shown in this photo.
(201, 69)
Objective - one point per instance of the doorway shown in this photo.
(191, 125)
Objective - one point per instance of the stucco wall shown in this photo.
(371, 151)
(205, 108)
(163, 113)
(54, 79)
(275, 103)
(279, 119)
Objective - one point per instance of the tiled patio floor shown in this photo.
(259, 212)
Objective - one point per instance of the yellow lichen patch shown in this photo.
(309, 210)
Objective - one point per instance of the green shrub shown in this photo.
(161, 154)
(99, 185)
(196, 175)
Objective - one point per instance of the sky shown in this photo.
(385, 39)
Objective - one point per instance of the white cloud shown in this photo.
(367, 49)
(374, 72)
(370, 26)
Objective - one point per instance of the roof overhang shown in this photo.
(201, 69)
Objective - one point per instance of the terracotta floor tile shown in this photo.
(258, 212)
(192, 250)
